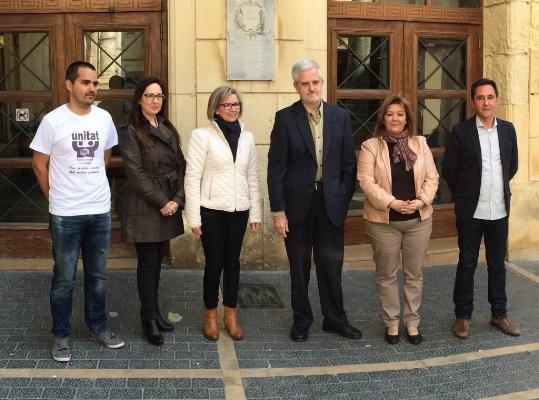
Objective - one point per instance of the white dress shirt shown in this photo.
(491, 205)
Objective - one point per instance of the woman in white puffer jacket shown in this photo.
(222, 195)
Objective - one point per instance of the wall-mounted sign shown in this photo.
(22, 115)
(250, 39)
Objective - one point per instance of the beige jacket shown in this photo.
(374, 176)
(214, 180)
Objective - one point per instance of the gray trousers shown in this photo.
(389, 241)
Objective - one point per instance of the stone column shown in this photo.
(511, 57)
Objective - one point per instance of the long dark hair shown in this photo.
(138, 120)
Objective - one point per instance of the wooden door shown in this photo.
(431, 64)
(35, 50)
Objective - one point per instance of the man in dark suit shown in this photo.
(480, 160)
(311, 179)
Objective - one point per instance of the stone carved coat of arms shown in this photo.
(250, 18)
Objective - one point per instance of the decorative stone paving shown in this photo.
(189, 366)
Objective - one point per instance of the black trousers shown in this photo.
(470, 233)
(150, 255)
(222, 237)
(317, 235)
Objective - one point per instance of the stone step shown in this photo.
(441, 251)
(45, 264)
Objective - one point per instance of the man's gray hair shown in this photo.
(305, 64)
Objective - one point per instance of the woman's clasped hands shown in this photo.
(406, 206)
(169, 209)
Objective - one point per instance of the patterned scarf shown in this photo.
(401, 150)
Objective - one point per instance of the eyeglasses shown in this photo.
(228, 106)
(152, 96)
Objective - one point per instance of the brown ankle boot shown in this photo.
(231, 323)
(211, 330)
(461, 329)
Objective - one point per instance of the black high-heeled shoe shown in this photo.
(414, 339)
(164, 324)
(391, 339)
(152, 333)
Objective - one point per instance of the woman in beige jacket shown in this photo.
(222, 195)
(398, 177)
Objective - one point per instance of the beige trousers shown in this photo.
(411, 238)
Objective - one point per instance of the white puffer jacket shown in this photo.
(212, 178)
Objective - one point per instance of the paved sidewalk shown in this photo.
(267, 364)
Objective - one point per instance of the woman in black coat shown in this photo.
(155, 169)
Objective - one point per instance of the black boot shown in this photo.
(151, 333)
(164, 324)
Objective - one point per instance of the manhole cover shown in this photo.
(253, 295)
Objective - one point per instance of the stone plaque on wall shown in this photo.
(250, 30)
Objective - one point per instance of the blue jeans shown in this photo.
(70, 235)
(495, 238)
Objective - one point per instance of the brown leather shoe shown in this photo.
(211, 329)
(231, 323)
(461, 329)
(505, 326)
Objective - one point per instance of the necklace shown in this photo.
(154, 122)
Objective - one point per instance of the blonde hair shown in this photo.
(217, 96)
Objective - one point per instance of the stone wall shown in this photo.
(197, 64)
(511, 57)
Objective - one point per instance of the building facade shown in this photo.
(428, 50)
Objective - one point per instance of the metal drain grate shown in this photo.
(254, 295)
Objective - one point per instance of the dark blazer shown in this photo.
(462, 164)
(292, 163)
(155, 175)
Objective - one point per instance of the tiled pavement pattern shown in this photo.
(80, 388)
(25, 316)
(25, 324)
(266, 348)
(465, 381)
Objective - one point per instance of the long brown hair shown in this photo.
(394, 99)
(138, 120)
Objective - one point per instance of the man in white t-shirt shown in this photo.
(72, 147)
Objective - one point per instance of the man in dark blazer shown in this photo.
(311, 179)
(480, 160)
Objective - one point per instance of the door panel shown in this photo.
(129, 43)
(28, 69)
(447, 61)
(366, 60)
(124, 48)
